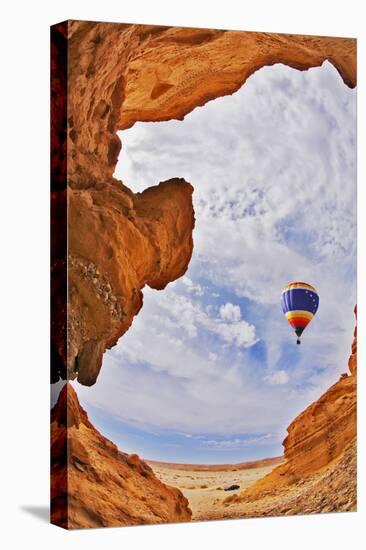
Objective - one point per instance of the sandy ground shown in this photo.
(331, 489)
(203, 485)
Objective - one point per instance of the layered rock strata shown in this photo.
(96, 485)
(319, 436)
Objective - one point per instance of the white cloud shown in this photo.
(230, 313)
(279, 377)
(274, 171)
(192, 436)
(160, 377)
(238, 443)
(195, 288)
(240, 333)
(273, 168)
(190, 316)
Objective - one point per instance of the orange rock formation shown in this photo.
(120, 74)
(96, 485)
(321, 434)
(118, 242)
(105, 77)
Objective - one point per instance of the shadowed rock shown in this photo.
(93, 484)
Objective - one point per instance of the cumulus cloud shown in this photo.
(240, 333)
(230, 313)
(189, 316)
(195, 288)
(274, 169)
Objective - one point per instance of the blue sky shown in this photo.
(210, 371)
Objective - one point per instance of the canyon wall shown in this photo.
(321, 434)
(119, 74)
(105, 77)
(108, 243)
(118, 243)
(96, 485)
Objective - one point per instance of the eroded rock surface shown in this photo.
(317, 441)
(96, 485)
(120, 74)
(115, 75)
(118, 243)
(331, 489)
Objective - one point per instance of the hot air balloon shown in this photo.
(299, 303)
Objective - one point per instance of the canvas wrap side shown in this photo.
(58, 211)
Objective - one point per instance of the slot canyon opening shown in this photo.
(209, 371)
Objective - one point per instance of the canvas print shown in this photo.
(203, 337)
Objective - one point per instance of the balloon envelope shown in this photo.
(299, 302)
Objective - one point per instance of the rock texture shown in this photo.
(120, 74)
(320, 441)
(118, 243)
(331, 489)
(96, 485)
(105, 77)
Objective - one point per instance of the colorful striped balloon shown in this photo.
(299, 302)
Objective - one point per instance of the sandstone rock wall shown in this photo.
(105, 77)
(120, 74)
(118, 243)
(318, 436)
(116, 75)
(96, 485)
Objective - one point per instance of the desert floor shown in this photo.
(331, 489)
(203, 485)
